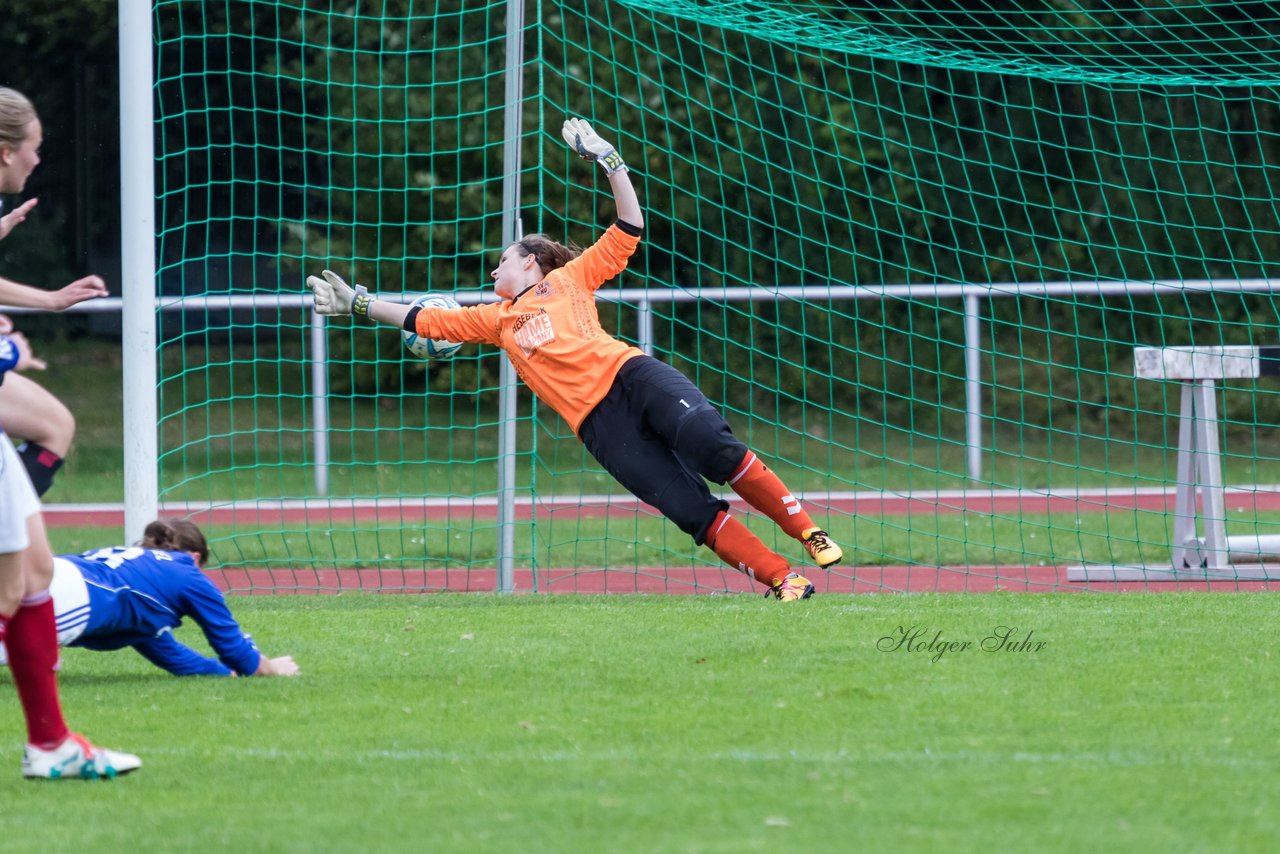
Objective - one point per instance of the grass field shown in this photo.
(730, 723)
(1108, 722)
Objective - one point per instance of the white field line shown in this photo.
(994, 758)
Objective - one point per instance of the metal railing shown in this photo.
(644, 300)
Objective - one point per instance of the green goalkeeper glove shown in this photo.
(589, 146)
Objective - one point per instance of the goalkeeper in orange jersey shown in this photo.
(642, 419)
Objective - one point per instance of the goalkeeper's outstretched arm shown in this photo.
(590, 146)
(333, 296)
(473, 324)
(624, 194)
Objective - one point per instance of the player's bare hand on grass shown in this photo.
(282, 666)
(333, 295)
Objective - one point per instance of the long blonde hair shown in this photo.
(16, 116)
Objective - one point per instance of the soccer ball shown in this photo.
(428, 348)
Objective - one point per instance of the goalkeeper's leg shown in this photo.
(765, 491)
(734, 544)
(672, 406)
(643, 462)
(686, 501)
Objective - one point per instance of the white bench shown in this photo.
(1200, 491)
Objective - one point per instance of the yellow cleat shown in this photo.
(821, 547)
(791, 588)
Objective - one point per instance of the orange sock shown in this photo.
(734, 544)
(764, 491)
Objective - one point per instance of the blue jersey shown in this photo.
(136, 597)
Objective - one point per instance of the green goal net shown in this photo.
(908, 249)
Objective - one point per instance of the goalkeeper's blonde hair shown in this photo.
(16, 116)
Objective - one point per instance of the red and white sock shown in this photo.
(32, 640)
(734, 544)
(765, 491)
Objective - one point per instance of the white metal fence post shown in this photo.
(973, 386)
(508, 403)
(320, 401)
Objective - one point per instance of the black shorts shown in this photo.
(658, 435)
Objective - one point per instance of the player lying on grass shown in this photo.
(136, 596)
(642, 419)
(27, 622)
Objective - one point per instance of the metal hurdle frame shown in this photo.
(1199, 501)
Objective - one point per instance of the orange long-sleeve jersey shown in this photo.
(552, 332)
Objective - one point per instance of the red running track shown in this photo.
(689, 580)
(1012, 503)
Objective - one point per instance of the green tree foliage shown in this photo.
(789, 163)
(63, 57)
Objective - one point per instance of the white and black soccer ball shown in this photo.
(429, 348)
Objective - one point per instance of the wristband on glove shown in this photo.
(360, 304)
(612, 162)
